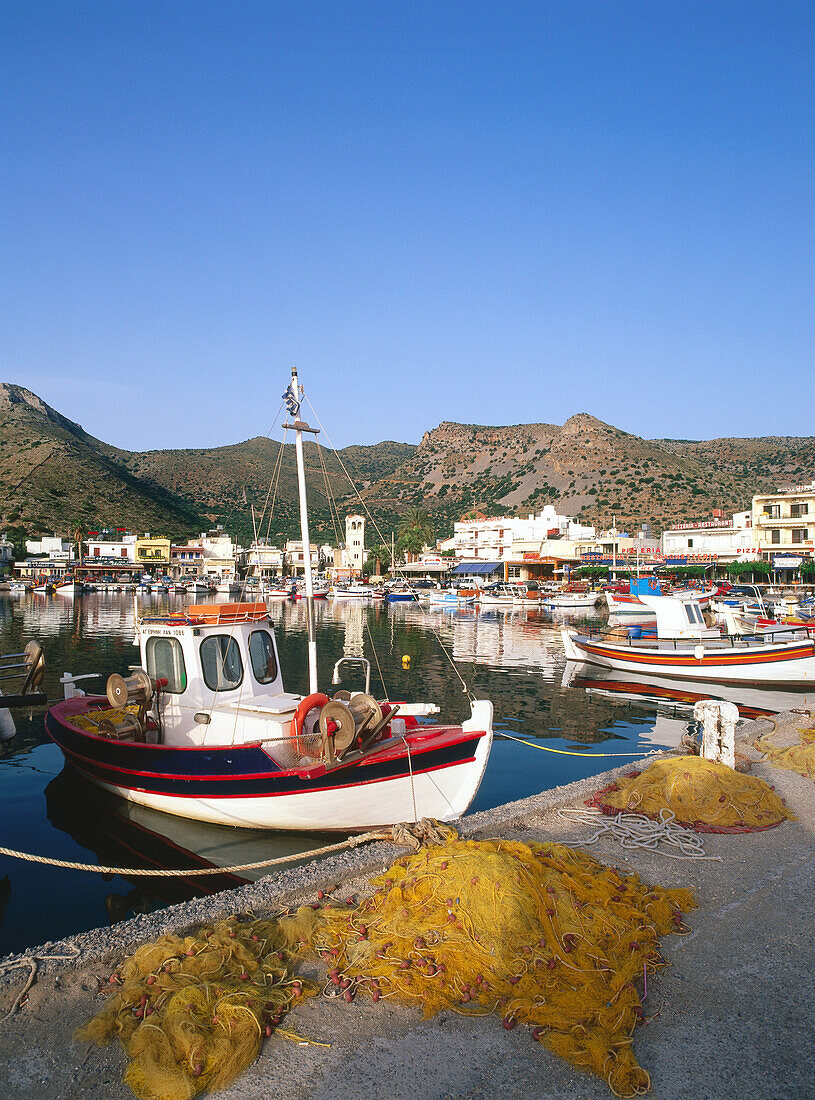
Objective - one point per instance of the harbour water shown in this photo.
(515, 658)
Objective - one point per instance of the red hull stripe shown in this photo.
(680, 658)
(278, 794)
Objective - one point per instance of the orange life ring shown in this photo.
(653, 583)
(306, 705)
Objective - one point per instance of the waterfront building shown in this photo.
(263, 559)
(6, 554)
(505, 538)
(295, 559)
(187, 560)
(153, 554)
(118, 545)
(784, 524)
(220, 553)
(719, 539)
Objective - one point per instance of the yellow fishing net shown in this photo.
(192, 1011)
(539, 933)
(798, 758)
(704, 796)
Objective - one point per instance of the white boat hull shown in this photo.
(443, 794)
(785, 663)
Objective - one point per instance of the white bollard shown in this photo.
(718, 730)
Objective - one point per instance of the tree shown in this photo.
(78, 534)
(379, 558)
(417, 522)
(410, 543)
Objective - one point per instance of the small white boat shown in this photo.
(228, 586)
(687, 649)
(576, 600)
(501, 595)
(352, 592)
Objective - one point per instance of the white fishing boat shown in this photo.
(582, 601)
(228, 586)
(501, 595)
(351, 592)
(205, 728)
(686, 648)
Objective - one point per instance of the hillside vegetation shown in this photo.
(53, 474)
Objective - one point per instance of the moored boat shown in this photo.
(205, 729)
(685, 648)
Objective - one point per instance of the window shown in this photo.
(799, 534)
(261, 653)
(799, 510)
(221, 662)
(690, 543)
(775, 536)
(165, 660)
(773, 511)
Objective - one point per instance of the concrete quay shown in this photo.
(731, 1017)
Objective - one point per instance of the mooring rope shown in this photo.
(32, 962)
(573, 752)
(127, 872)
(637, 831)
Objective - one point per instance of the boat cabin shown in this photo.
(220, 677)
(678, 618)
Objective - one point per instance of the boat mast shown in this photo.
(292, 397)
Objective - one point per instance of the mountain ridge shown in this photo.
(54, 474)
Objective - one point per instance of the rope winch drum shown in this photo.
(348, 720)
(122, 692)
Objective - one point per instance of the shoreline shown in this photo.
(732, 1013)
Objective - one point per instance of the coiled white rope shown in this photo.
(638, 831)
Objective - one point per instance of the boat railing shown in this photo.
(805, 631)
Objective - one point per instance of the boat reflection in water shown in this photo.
(753, 702)
(124, 834)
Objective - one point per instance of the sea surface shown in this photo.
(515, 658)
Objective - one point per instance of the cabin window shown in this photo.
(221, 662)
(165, 660)
(261, 653)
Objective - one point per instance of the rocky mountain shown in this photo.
(590, 470)
(53, 474)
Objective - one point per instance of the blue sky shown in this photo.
(490, 212)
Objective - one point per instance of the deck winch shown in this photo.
(329, 729)
(130, 697)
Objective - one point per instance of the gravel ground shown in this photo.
(730, 1018)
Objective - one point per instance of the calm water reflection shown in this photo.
(514, 658)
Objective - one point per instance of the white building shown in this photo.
(354, 543)
(295, 558)
(6, 553)
(219, 554)
(504, 538)
(264, 560)
(726, 539)
(109, 545)
(784, 522)
(51, 547)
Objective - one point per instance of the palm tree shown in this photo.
(417, 522)
(78, 534)
(381, 556)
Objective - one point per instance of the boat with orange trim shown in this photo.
(686, 648)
